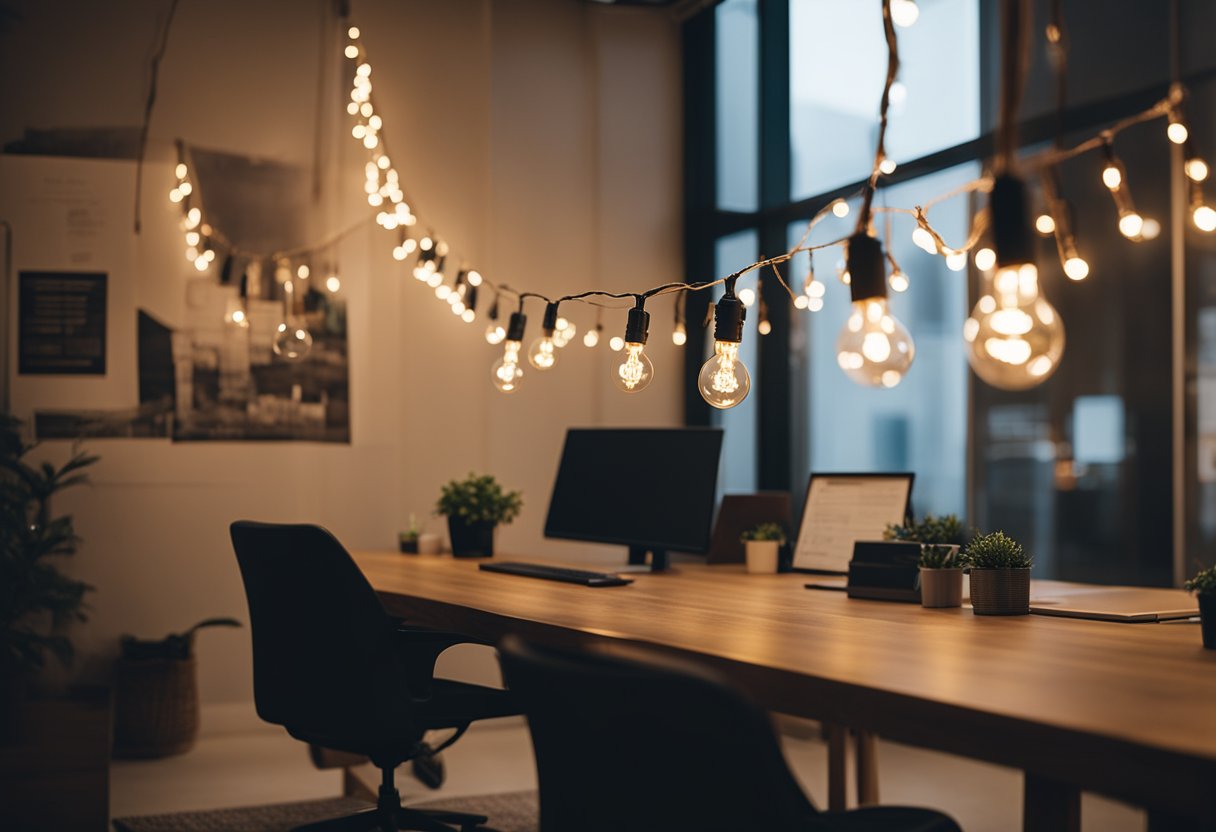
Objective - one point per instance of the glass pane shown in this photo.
(739, 447)
(838, 63)
(737, 59)
(920, 425)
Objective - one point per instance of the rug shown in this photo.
(508, 812)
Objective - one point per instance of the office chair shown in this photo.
(334, 669)
(651, 744)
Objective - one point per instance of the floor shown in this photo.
(267, 766)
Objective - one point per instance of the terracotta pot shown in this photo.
(1000, 591)
(471, 540)
(762, 556)
(941, 587)
(1207, 618)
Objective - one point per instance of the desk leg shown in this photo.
(1050, 806)
(867, 769)
(838, 767)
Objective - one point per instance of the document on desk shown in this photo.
(844, 508)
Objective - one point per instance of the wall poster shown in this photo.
(61, 323)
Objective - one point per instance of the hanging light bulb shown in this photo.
(635, 373)
(470, 304)
(764, 326)
(234, 313)
(1176, 131)
(985, 259)
(1204, 217)
(924, 240)
(506, 372)
(904, 12)
(593, 336)
(840, 208)
(679, 335)
(542, 354)
(1196, 169)
(292, 341)
(873, 348)
(564, 333)
(1016, 337)
(616, 343)
(724, 380)
(1044, 224)
(495, 333)
(747, 297)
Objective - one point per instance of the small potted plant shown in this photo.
(761, 544)
(1000, 575)
(946, 530)
(407, 541)
(1204, 587)
(941, 575)
(475, 506)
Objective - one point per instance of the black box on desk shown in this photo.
(885, 570)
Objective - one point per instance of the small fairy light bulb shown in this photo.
(542, 354)
(1151, 229)
(764, 326)
(592, 338)
(747, 297)
(1131, 224)
(474, 278)
(924, 240)
(303, 272)
(635, 373)
(1075, 268)
(904, 13)
(956, 261)
(180, 171)
(1204, 217)
(724, 380)
(887, 166)
(873, 348)
(1045, 224)
(351, 52)
(333, 283)
(802, 302)
(679, 335)
(1176, 131)
(192, 238)
(985, 259)
(616, 343)
(840, 208)
(507, 372)
(1112, 177)
(176, 195)
(898, 281)
(1196, 169)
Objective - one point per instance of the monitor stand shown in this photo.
(637, 560)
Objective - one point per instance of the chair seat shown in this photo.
(453, 704)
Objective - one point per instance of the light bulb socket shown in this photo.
(515, 329)
(461, 277)
(493, 313)
(729, 316)
(470, 296)
(637, 327)
(549, 323)
(867, 268)
(1009, 209)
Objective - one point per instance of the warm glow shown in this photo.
(840, 208)
(904, 12)
(616, 343)
(873, 347)
(679, 335)
(747, 297)
(1177, 132)
(1131, 224)
(898, 282)
(1045, 224)
(887, 166)
(724, 380)
(1204, 218)
(985, 259)
(1196, 169)
(924, 240)
(636, 371)
(543, 353)
(1112, 177)
(1076, 268)
(591, 338)
(332, 283)
(956, 261)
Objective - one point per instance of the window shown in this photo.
(782, 102)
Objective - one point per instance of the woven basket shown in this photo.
(1000, 591)
(155, 707)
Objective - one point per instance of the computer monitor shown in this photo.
(652, 490)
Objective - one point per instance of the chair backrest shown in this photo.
(648, 743)
(324, 658)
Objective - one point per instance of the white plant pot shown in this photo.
(429, 543)
(762, 556)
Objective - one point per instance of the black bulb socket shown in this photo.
(549, 323)
(729, 317)
(637, 327)
(1009, 209)
(867, 268)
(470, 296)
(515, 329)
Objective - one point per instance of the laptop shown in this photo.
(1114, 603)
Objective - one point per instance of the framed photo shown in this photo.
(844, 508)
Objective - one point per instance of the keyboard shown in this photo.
(557, 573)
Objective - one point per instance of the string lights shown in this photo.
(1015, 336)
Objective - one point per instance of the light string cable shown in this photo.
(149, 106)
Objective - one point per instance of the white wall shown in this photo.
(539, 137)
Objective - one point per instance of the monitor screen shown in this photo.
(652, 488)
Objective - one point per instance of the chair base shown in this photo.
(389, 815)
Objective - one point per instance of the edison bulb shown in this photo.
(904, 12)
(506, 371)
(1016, 337)
(542, 354)
(495, 333)
(724, 380)
(292, 341)
(636, 371)
(874, 348)
(591, 338)
(679, 335)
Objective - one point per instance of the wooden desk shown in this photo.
(1126, 710)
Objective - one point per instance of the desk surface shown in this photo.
(1125, 709)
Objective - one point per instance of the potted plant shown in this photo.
(761, 544)
(941, 575)
(1204, 587)
(946, 530)
(1000, 575)
(475, 506)
(37, 601)
(407, 541)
